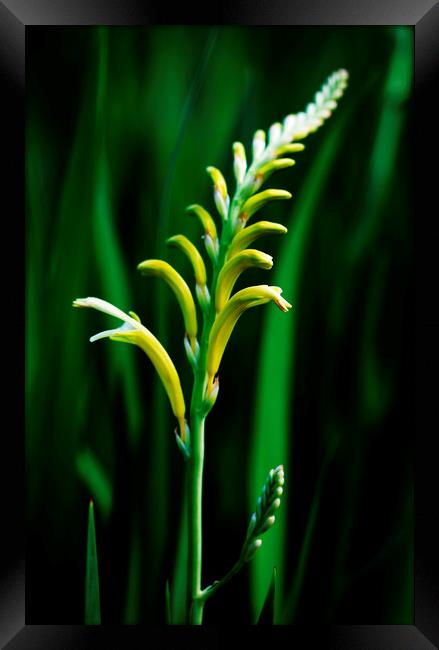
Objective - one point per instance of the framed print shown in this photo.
(269, 468)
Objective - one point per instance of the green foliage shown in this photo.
(92, 597)
(97, 483)
(267, 615)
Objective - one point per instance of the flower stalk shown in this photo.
(221, 309)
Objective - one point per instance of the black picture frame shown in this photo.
(15, 16)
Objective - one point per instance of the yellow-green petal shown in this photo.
(205, 218)
(248, 235)
(191, 251)
(132, 331)
(164, 366)
(275, 165)
(163, 270)
(293, 147)
(218, 180)
(233, 269)
(257, 201)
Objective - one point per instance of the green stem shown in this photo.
(195, 496)
(196, 461)
(195, 464)
(209, 591)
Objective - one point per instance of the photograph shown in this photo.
(232, 466)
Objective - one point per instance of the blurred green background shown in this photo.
(121, 123)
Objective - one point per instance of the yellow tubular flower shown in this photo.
(265, 171)
(183, 243)
(294, 147)
(233, 269)
(161, 269)
(191, 251)
(210, 237)
(205, 218)
(132, 331)
(228, 317)
(256, 202)
(274, 165)
(248, 235)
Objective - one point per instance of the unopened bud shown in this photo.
(203, 296)
(267, 524)
(274, 506)
(184, 447)
(222, 204)
(258, 144)
(190, 353)
(239, 162)
(211, 394)
(251, 525)
(212, 247)
(274, 132)
(254, 546)
(220, 195)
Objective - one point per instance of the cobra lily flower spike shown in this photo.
(132, 331)
(230, 255)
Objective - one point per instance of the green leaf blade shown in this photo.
(92, 598)
(266, 617)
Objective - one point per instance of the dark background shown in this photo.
(120, 126)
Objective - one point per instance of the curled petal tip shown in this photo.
(229, 315)
(132, 331)
(283, 304)
(135, 316)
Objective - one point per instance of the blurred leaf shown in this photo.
(108, 251)
(273, 408)
(266, 617)
(292, 599)
(96, 481)
(387, 138)
(92, 600)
